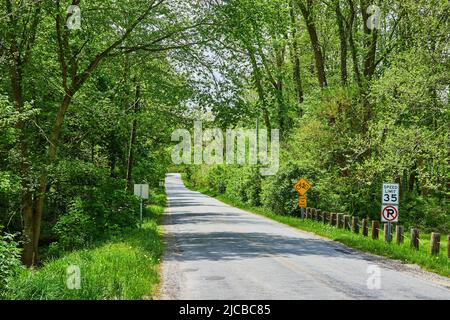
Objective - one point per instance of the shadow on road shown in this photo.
(191, 208)
(235, 245)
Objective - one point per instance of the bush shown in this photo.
(122, 213)
(158, 198)
(9, 260)
(102, 215)
(279, 194)
(126, 268)
(10, 196)
(86, 204)
(75, 229)
(428, 214)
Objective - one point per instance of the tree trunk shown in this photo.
(280, 54)
(343, 43)
(42, 189)
(370, 43)
(27, 197)
(27, 214)
(259, 89)
(352, 45)
(133, 139)
(369, 64)
(312, 31)
(296, 69)
(18, 59)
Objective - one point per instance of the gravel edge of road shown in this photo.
(166, 289)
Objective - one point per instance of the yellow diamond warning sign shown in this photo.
(302, 186)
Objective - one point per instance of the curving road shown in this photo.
(215, 251)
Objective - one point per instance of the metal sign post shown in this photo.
(302, 186)
(142, 208)
(389, 206)
(141, 191)
(389, 237)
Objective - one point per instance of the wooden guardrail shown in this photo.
(352, 223)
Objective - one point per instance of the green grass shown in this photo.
(439, 264)
(125, 268)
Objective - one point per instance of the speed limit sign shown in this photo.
(389, 202)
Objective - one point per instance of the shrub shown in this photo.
(216, 179)
(279, 194)
(10, 196)
(126, 268)
(122, 211)
(9, 260)
(75, 229)
(252, 186)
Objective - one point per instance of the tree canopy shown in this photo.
(358, 89)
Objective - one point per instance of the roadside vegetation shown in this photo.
(83, 119)
(439, 264)
(123, 267)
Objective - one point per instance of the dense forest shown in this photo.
(359, 99)
(359, 90)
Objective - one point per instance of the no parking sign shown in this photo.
(389, 213)
(389, 200)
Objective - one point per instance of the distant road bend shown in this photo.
(215, 251)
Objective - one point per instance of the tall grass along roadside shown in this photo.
(125, 267)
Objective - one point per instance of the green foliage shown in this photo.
(75, 229)
(243, 183)
(9, 198)
(279, 194)
(9, 260)
(126, 268)
(86, 205)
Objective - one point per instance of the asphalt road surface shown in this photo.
(215, 251)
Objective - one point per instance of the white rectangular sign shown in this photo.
(141, 191)
(390, 195)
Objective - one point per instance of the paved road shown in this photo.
(215, 251)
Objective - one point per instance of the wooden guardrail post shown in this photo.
(399, 234)
(415, 238)
(307, 212)
(325, 217)
(386, 236)
(374, 229)
(340, 220)
(365, 228)
(333, 218)
(318, 215)
(355, 224)
(435, 243)
(346, 222)
(448, 246)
